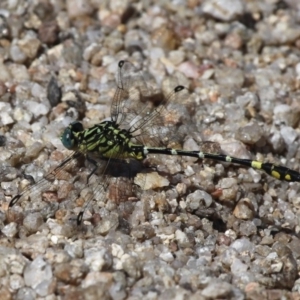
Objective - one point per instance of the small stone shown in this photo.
(71, 273)
(33, 245)
(143, 232)
(182, 238)
(197, 199)
(283, 113)
(26, 293)
(176, 57)
(208, 74)
(97, 279)
(248, 228)
(117, 250)
(30, 46)
(75, 249)
(276, 267)
(34, 149)
(251, 133)
(4, 27)
(168, 257)
(17, 55)
(37, 91)
(97, 259)
(225, 10)
(164, 37)
(16, 281)
(110, 20)
(107, 223)
(56, 256)
(231, 234)
(238, 267)
(5, 74)
(230, 78)
(5, 119)
(65, 230)
(49, 32)
(283, 32)
(294, 245)
(15, 263)
(248, 99)
(189, 69)
(113, 43)
(53, 92)
(229, 189)
(78, 8)
(90, 51)
(33, 221)
(242, 245)
(234, 40)
(10, 230)
(217, 290)
(150, 181)
(38, 275)
(6, 293)
(244, 209)
(38, 109)
(289, 134)
(33, 22)
(296, 287)
(131, 266)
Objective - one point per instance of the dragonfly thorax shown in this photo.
(105, 139)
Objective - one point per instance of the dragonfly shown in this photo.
(134, 133)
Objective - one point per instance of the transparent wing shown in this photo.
(57, 173)
(153, 128)
(131, 90)
(136, 109)
(133, 109)
(115, 177)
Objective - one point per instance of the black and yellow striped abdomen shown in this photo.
(278, 172)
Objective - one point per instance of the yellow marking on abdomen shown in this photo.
(257, 165)
(228, 158)
(275, 174)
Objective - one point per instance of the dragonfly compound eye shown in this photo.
(69, 136)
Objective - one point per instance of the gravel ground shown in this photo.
(195, 230)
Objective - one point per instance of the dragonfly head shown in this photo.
(69, 137)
